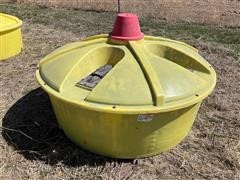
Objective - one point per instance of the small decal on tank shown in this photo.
(145, 117)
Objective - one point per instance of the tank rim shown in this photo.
(13, 26)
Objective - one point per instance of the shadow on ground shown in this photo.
(31, 128)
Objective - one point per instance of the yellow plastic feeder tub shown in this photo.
(10, 36)
(126, 96)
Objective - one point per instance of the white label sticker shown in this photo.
(145, 117)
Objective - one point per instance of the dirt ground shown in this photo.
(33, 147)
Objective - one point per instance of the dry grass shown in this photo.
(219, 12)
(33, 147)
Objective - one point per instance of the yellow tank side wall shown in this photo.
(10, 43)
(122, 135)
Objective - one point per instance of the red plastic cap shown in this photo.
(126, 27)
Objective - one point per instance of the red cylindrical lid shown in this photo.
(127, 27)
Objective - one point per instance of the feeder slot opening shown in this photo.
(90, 81)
